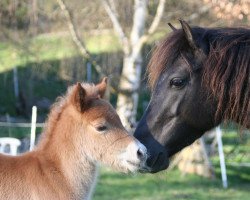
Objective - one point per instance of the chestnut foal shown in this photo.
(82, 130)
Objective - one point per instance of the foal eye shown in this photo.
(177, 82)
(101, 128)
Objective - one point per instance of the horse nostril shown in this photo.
(157, 159)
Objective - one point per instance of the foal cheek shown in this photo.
(118, 142)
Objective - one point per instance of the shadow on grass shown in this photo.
(47, 79)
(235, 175)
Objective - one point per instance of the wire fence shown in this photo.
(20, 125)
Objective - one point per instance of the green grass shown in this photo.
(57, 46)
(168, 185)
(52, 47)
(173, 185)
(236, 146)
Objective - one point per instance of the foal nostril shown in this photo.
(140, 153)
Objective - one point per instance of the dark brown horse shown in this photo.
(199, 77)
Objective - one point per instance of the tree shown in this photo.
(231, 11)
(132, 61)
(76, 37)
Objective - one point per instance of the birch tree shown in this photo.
(132, 61)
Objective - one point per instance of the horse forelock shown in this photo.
(226, 68)
(165, 52)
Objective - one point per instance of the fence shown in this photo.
(33, 125)
(217, 140)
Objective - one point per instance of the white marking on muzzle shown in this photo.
(135, 156)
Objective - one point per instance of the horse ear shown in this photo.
(197, 51)
(102, 86)
(80, 97)
(188, 34)
(172, 27)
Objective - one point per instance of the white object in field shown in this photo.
(33, 128)
(13, 144)
(222, 158)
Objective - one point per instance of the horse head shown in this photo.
(183, 106)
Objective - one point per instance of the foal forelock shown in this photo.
(59, 106)
(226, 68)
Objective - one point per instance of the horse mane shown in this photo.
(225, 70)
(59, 106)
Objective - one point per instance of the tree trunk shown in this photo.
(132, 63)
(129, 84)
(131, 74)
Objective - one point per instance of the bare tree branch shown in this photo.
(158, 16)
(76, 38)
(144, 38)
(117, 26)
(112, 5)
(139, 17)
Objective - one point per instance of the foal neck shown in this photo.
(60, 146)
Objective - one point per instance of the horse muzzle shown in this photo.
(156, 163)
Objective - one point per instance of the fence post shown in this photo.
(33, 127)
(15, 81)
(222, 158)
(89, 71)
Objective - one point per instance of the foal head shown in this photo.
(98, 133)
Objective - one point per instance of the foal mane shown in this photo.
(226, 68)
(59, 106)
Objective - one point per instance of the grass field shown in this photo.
(51, 47)
(47, 52)
(56, 46)
(171, 185)
(174, 185)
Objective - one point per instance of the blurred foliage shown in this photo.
(14, 14)
(231, 10)
(17, 132)
(34, 38)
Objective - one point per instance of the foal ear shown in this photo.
(80, 97)
(102, 86)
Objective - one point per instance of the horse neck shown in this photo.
(60, 147)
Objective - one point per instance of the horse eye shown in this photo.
(177, 82)
(101, 128)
